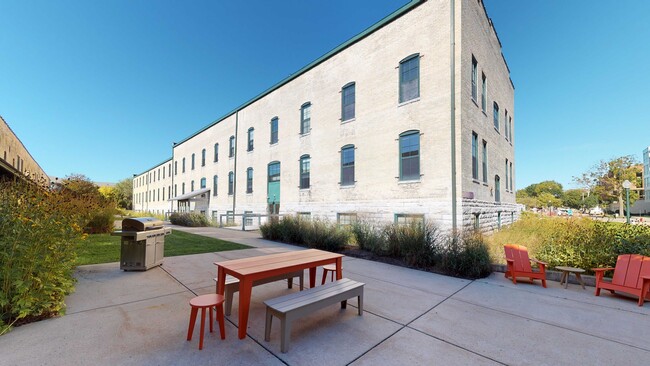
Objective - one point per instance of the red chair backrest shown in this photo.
(629, 269)
(519, 255)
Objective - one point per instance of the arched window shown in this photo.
(305, 171)
(214, 185)
(216, 152)
(305, 118)
(409, 78)
(249, 180)
(409, 151)
(251, 132)
(203, 182)
(497, 188)
(496, 116)
(231, 183)
(231, 149)
(348, 101)
(274, 130)
(203, 157)
(193, 158)
(347, 165)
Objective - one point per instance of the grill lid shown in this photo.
(141, 224)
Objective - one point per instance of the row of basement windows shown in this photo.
(484, 167)
(507, 120)
(409, 167)
(409, 89)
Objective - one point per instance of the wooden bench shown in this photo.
(232, 285)
(290, 307)
(631, 275)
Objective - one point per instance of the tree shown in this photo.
(547, 186)
(525, 199)
(609, 177)
(579, 199)
(124, 193)
(101, 208)
(541, 194)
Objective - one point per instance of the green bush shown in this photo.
(466, 256)
(39, 231)
(369, 236)
(415, 243)
(191, 219)
(314, 234)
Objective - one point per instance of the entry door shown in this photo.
(273, 190)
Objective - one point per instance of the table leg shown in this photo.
(221, 281)
(245, 287)
(579, 278)
(566, 280)
(562, 278)
(312, 277)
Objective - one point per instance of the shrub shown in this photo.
(38, 234)
(314, 234)
(369, 236)
(415, 243)
(191, 219)
(466, 256)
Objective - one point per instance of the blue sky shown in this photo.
(79, 78)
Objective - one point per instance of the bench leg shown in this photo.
(229, 295)
(344, 304)
(267, 327)
(360, 301)
(285, 329)
(302, 280)
(290, 283)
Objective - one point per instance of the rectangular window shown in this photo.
(183, 165)
(192, 186)
(274, 130)
(249, 180)
(474, 79)
(484, 93)
(203, 183)
(163, 194)
(203, 157)
(507, 182)
(510, 128)
(496, 116)
(274, 172)
(409, 78)
(305, 171)
(474, 156)
(305, 118)
(409, 219)
(497, 188)
(251, 132)
(216, 152)
(214, 185)
(231, 183)
(192, 161)
(505, 123)
(512, 187)
(345, 220)
(485, 172)
(175, 168)
(231, 147)
(347, 165)
(348, 101)
(304, 216)
(409, 147)
(163, 172)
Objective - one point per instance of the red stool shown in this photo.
(328, 268)
(206, 302)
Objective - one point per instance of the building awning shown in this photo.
(189, 196)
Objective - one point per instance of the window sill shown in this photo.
(306, 133)
(349, 120)
(484, 113)
(475, 102)
(305, 189)
(347, 186)
(408, 102)
(497, 130)
(476, 181)
(249, 193)
(412, 181)
(485, 184)
(272, 144)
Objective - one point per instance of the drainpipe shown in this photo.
(452, 30)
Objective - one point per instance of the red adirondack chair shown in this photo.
(519, 264)
(631, 275)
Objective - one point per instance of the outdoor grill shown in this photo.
(143, 243)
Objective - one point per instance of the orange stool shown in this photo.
(328, 268)
(206, 302)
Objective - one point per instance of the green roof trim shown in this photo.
(153, 167)
(386, 20)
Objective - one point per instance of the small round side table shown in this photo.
(565, 275)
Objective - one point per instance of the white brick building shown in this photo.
(366, 131)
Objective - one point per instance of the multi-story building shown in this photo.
(412, 119)
(16, 161)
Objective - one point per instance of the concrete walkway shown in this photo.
(410, 317)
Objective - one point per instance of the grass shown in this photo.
(104, 248)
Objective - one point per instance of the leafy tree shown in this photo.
(541, 194)
(124, 193)
(102, 209)
(579, 199)
(525, 199)
(548, 186)
(609, 177)
(547, 199)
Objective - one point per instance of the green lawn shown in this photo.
(103, 248)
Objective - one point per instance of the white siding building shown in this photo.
(413, 118)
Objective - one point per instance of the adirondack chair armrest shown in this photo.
(510, 260)
(544, 264)
(600, 273)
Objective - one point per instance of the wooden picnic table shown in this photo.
(251, 269)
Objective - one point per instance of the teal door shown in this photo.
(273, 190)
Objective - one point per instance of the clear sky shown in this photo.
(104, 88)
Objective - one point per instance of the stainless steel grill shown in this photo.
(142, 244)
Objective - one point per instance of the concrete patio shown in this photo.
(410, 317)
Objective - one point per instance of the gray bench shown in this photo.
(290, 307)
(232, 285)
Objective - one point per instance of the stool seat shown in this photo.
(328, 268)
(204, 302)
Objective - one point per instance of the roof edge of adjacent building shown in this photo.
(24, 147)
(368, 31)
(152, 168)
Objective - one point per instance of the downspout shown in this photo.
(173, 173)
(234, 172)
(452, 30)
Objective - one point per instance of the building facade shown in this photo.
(413, 119)
(646, 173)
(16, 161)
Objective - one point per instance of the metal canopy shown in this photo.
(190, 195)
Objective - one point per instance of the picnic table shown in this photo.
(251, 269)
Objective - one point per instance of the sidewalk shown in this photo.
(410, 317)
